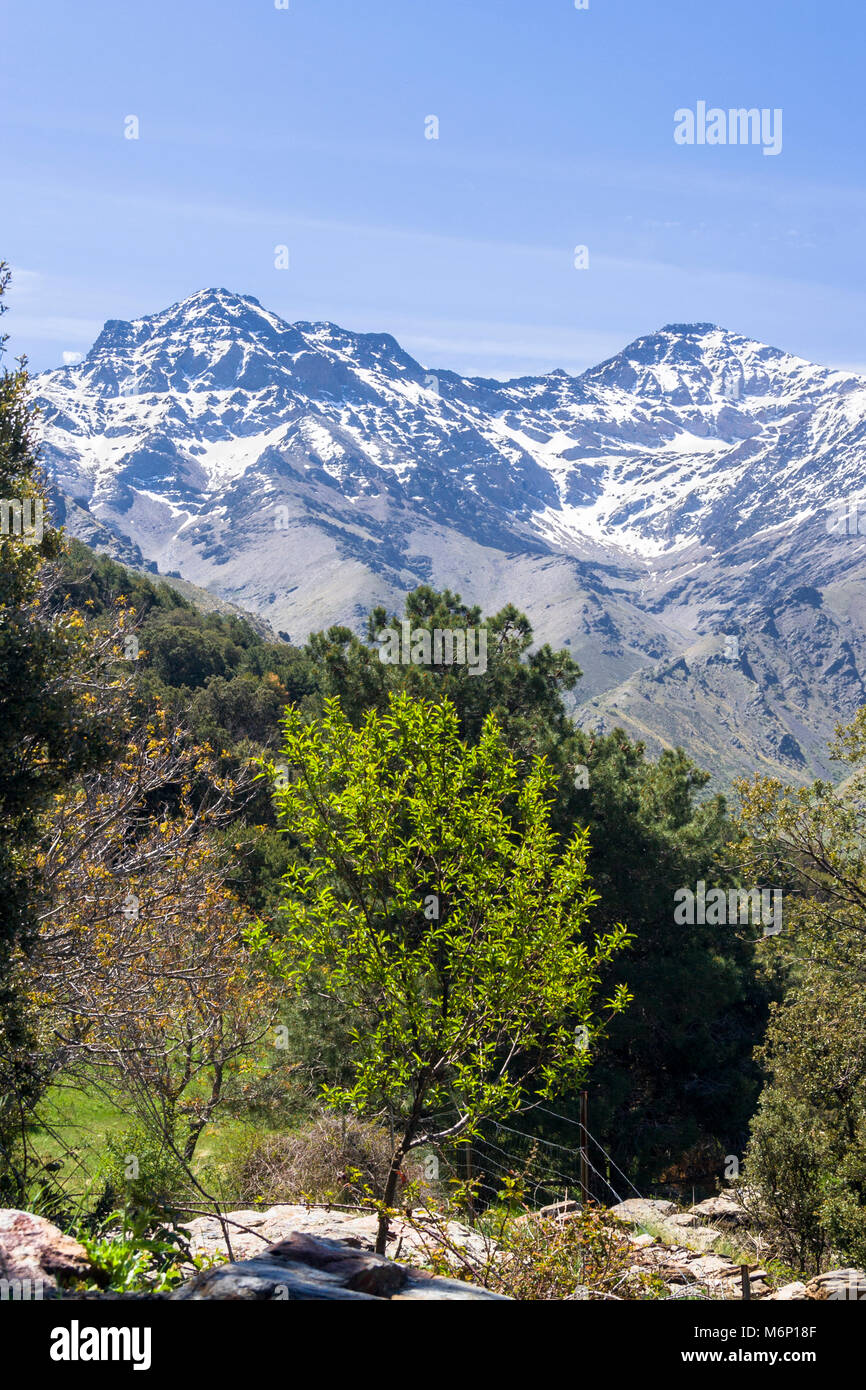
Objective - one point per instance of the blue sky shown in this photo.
(305, 127)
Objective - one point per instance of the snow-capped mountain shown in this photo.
(667, 507)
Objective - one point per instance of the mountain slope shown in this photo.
(641, 513)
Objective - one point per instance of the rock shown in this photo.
(848, 1284)
(642, 1241)
(684, 1219)
(635, 1211)
(700, 1238)
(248, 1218)
(33, 1249)
(557, 1210)
(349, 1228)
(724, 1208)
(261, 1279)
(434, 1287)
(305, 1266)
(790, 1292)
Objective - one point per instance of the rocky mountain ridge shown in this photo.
(679, 516)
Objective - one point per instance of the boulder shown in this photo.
(725, 1208)
(306, 1267)
(636, 1211)
(790, 1293)
(34, 1250)
(685, 1220)
(699, 1237)
(251, 1233)
(843, 1284)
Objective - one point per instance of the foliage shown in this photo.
(141, 1172)
(139, 1252)
(431, 901)
(673, 1082)
(585, 1255)
(806, 1158)
(52, 729)
(525, 1255)
(140, 970)
(332, 1158)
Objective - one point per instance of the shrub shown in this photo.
(335, 1158)
(536, 1257)
(141, 1173)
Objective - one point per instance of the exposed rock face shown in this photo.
(37, 1255)
(681, 516)
(305, 1267)
(684, 1220)
(790, 1293)
(559, 1210)
(692, 1273)
(332, 1258)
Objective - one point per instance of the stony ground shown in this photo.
(300, 1252)
(681, 1254)
(250, 1232)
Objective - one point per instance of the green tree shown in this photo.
(430, 898)
(673, 1082)
(806, 1158)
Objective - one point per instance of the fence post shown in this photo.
(469, 1199)
(584, 1165)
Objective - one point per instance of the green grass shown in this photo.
(71, 1130)
(73, 1126)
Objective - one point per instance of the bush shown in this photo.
(538, 1258)
(585, 1255)
(141, 1173)
(334, 1158)
(806, 1158)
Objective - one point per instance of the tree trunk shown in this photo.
(388, 1199)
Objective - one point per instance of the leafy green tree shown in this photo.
(429, 897)
(806, 1158)
(673, 1082)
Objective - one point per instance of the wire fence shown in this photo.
(548, 1168)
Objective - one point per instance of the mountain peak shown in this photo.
(222, 297)
(703, 364)
(212, 305)
(690, 329)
